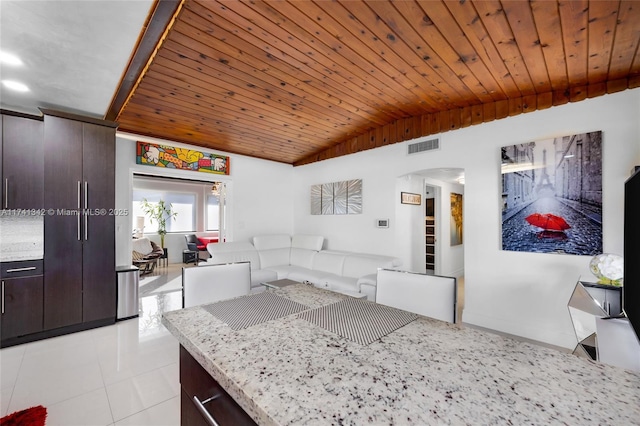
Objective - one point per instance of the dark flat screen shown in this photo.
(631, 288)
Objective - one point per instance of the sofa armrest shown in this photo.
(371, 279)
(367, 284)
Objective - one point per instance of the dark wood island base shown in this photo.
(201, 396)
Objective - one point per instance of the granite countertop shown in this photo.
(21, 237)
(290, 372)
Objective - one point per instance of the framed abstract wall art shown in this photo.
(343, 197)
(156, 155)
(552, 195)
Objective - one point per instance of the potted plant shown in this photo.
(160, 212)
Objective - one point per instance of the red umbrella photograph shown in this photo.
(552, 195)
(548, 222)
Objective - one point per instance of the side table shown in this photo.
(279, 283)
(589, 302)
(164, 259)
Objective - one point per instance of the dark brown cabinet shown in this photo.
(22, 161)
(99, 227)
(21, 294)
(79, 243)
(202, 396)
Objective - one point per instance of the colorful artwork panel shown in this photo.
(157, 155)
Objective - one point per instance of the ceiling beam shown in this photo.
(161, 14)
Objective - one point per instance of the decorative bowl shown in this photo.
(608, 268)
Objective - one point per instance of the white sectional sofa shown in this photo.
(301, 258)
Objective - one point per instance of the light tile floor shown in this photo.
(122, 374)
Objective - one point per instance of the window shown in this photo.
(137, 211)
(213, 213)
(183, 204)
(185, 207)
(196, 207)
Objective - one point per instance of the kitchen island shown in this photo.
(291, 371)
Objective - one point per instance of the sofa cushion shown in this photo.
(310, 242)
(274, 250)
(357, 265)
(235, 251)
(283, 271)
(317, 278)
(274, 257)
(329, 261)
(302, 257)
(303, 250)
(269, 242)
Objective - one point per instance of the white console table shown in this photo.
(617, 343)
(608, 340)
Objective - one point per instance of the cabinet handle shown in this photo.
(6, 193)
(3, 297)
(79, 207)
(26, 268)
(86, 208)
(200, 407)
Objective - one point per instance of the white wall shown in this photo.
(259, 198)
(406, 225)
(518, 293)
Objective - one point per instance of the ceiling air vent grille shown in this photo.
(429, 145)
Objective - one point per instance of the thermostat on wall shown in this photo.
(382, 223)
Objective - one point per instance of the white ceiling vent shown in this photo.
(428, 145)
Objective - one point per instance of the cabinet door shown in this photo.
(63, 168)
(21, 306)
(23, 163)
(62, 230)
(63, 272)
(98, 266)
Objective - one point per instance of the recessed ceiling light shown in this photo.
(15, 85)
(9, 59)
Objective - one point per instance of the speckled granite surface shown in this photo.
(21, 237)
(290, 372)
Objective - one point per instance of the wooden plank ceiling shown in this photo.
(303, 81)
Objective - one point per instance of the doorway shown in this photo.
(443, 229)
